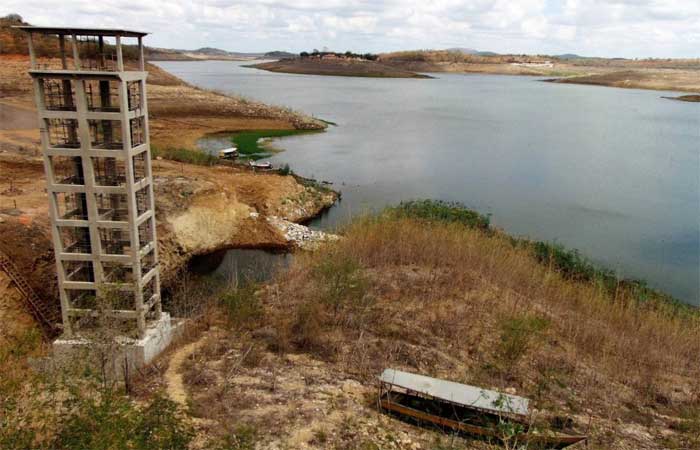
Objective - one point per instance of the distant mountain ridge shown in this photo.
(203, 53)
(569, 56)
(466, 51)
(471, 51)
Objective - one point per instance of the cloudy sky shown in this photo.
(627, 28)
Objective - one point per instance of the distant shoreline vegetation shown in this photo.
(347, 55)
(569, 263)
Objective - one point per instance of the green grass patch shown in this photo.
(185, 155)
(243, 308)
(249, 144)
(517, 335)
(441, 211)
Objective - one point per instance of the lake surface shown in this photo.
(614, 173)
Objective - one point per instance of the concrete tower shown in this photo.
(94, 136)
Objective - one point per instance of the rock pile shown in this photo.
(300, 235)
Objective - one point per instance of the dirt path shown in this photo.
(175, 386)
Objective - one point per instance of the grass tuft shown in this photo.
(185, 155)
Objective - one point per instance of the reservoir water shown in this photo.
(612, 172)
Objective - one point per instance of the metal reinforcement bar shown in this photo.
(45, 314)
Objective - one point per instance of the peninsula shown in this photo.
(346, 65)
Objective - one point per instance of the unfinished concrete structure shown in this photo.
(94, 135)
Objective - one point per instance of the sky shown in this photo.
(609, 28)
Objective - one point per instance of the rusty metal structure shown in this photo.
(93, 119)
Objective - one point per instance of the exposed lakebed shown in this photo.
(611, 172)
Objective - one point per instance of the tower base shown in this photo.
(121, 356)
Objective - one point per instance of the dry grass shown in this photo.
(456, 302)
(300, 354)
(455, 261)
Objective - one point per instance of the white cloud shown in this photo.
(632, 28)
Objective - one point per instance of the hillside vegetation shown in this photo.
(426, 287)
(431, 288)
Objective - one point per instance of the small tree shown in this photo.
(13, 18)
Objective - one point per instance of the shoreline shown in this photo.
(685, 98)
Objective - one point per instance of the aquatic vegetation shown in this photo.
(250, 143)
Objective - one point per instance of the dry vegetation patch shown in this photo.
(453, 301)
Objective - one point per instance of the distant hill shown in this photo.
(280, 55)
(569, 56)
(214, 53)
(487, 54)
(466, 51)
(164, 54)
(209, 51)
(471, 51)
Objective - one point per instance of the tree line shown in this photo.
(348, 55)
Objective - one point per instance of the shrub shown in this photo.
(441, 211)
(341, 282)
(243, 437)
(242, 306)
(569, 263)
(111, 420)
(285, 170)
(306, 330)
(516, 336)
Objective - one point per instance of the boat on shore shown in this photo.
(260, 165)
(465, 409)
(228, 153)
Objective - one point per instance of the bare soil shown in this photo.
(667, 74)
(654, 79)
